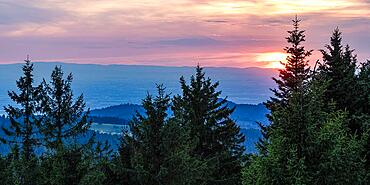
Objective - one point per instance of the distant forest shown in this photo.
(318, 131)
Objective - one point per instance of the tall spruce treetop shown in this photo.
(296, 70)
(64, 117)
(23, 119)
(292, 79)
(215, 134)
(339, 68)
(145, 139)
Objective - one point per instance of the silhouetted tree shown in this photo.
(156, 151)
(214, 134)
(308, 141)
(24, 121)
(339, 69)
(64, 118)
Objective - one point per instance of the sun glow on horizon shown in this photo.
(273, 59)
(236, 33)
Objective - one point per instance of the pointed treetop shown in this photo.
(296, 22)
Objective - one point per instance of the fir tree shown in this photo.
(362, 103)
(340, 153)
(145, 139)
(214, 134)
(308, 141)
(295, 74)
(64, 117)
(292, 81)
(362, 98)
(363, 95)
(156, 150)
(283, 150)
(339, 69)
(24, 121)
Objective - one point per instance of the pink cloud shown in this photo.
(214, 32)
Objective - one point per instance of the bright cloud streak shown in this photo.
(235, 33)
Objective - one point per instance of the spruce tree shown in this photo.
(292, 79)
(292, 84)
(156, 150)
(341, 158)
(214, 134)
(308, 141)
(64, 118)
(143, 144)
(363, 95)
(283, 151)
(296, 72)
(339, 69)
(23, 119)
(362, 102)
(24, 122)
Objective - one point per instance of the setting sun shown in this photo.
(272, 58)
(277, 65)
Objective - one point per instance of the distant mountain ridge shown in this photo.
(246, 115)
(106, 85)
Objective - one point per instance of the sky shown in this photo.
(233, 33)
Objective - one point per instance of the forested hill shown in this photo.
(246, 115)
(109, 119)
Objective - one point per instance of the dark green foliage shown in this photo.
(293, 77)
(63, 117)
(309, 140)
(214, 134)
(363, 100)
(288, 131)
(147, 140)
(77, 164)
(23, 130)
(62, 167)
(156, 150)
(292, 81)
(348, 89)
(339, 70)
(23, 122)
(340, 160)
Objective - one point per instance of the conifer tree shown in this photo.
(156, 151)
(339, 69)
(348, 90)
(362, 107)
(214, 134)
(283, 150)
(143, 145)
(362, 99)
(64, 118)
(340, 159)
(292, 81)
(296, 72)
(147, 130)
(24, 121)
(308, 141)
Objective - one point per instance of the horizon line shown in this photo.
(144, 65)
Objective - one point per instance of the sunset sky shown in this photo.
(174, 32)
